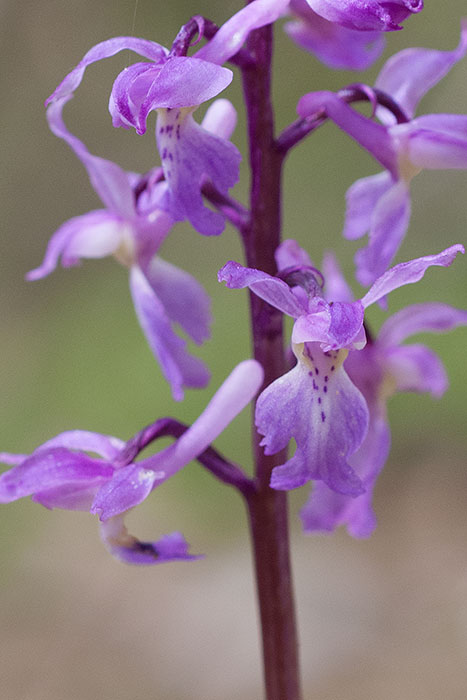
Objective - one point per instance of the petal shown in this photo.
(128, 549)
(106, 446)
(272, 289)
(129, 486)
(220, 119)
(132, 484)
(326, 510)
(93, 235)
(50, 468)
(336, 325)
(179, 368)
(184, 299)
(232, 35)
(112, 184)
(336, 287)
(12, 458)
(190, 155)
(366, 14)
(105, 49)
(408, 273)
(335, 46)
(389, 224)
(416, 368)
(370, 135)
(362, 198)
(317, 405)
(410, 74)
(290, 254)
(438, 141)
(183, 82)
(129, 91)
(420, 318)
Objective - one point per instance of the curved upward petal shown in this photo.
(408, 273)
(232, 35)
(410, 74)
(105, 49)
(272, 289)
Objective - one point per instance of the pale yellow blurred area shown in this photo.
(382, 619)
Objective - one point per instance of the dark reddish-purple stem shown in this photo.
(268, 508)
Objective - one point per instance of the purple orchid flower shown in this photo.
(334, 45)
(380, 204)
(316, 403)
(59, 473)
(175, 86)
(367, 15)
(380, 369)
(133, 228)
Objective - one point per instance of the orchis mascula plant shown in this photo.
(329, 394)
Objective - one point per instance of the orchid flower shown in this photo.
(175, 86)
(380, 204)
(60, 473)
(379, 370)
(316, 403)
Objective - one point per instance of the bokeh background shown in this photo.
(381, 618)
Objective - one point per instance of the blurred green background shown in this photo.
(382, 618)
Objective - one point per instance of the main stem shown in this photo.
(268, 508)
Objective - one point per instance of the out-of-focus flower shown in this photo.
(132, 227)
(367, 15)
(334, 45)
(380, 369)
(380, 204)
(316, 403)
(60, 473)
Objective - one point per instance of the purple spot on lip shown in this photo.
(319, 399)
(326, 378)
(323, 416)
(332, 368)
(325, 389)
(316, 371)
(315, 386)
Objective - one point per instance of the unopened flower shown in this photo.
(380, 204)
(60, 473)
(316, 403)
